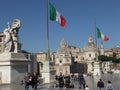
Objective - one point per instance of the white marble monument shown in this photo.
(11, 41)
(13, 64)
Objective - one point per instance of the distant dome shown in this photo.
(91, 46)
(63, 47)
(63, 43)
(90, 39)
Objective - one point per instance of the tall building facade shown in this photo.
(63, 59)
(90, 54)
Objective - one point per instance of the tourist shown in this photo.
(67, 81)
(30, 80)
(34, 80)
(100, 84)
(72, 81)
(84, 84)
(109, 86)
(56, 78)
(26, 78)
(61, 80)
(81, 80)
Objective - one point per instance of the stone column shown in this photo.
(97, 70)
(48, 72)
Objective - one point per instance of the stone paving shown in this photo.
(90, 81)
(115, 79)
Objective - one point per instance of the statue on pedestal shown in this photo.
(11, 36)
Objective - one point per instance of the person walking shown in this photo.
(109, 86)
(72, 81)
(100, 84)
(34, 80)
(81, 81)
(61, 80)
(84, 83)
(26, 79)
(56, 81)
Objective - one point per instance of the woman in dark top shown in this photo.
(34, 80)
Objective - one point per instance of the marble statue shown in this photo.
(11, 36)
(7, 40)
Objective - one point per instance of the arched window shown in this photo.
(76, 56)
(60, 61)
(89, 55)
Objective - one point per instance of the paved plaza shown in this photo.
(91, 82)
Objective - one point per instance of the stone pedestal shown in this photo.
(48, 72)
(12, 67)
(96, 68)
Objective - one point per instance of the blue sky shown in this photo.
(79, 15)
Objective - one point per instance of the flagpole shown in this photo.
(96, 66)
(96, 39)
(95, 31)
(47, 34)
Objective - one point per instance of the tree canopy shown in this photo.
(107, 58)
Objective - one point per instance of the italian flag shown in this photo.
(56, 16)
(101, 35)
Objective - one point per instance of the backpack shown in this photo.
(110, 87)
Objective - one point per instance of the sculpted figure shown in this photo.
(11, 36)
(14, 33)
(7, 40)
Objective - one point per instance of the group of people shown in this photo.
(30, 80)
(64, 81)
(82, 82)
(100, 85)
(67, 81)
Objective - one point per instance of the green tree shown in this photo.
(106, 58)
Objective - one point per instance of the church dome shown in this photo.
(91, 46)
(63, 47)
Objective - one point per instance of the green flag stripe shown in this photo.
(52, 12)
(98, 33)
